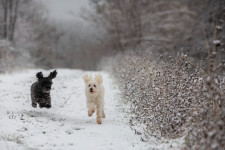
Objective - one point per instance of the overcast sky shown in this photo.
(68, 13)
(66, 10)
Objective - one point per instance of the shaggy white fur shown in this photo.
(94, 92)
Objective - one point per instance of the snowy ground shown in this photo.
(66, 125)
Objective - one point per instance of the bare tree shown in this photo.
(5, 14)
(123, 20)
(10, 9)
(131, 22)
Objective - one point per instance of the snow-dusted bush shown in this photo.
(7, 55)
(174, 98)
(207, 129)
(12, 57)
(160, 93)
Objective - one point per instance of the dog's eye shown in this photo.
(89, 85)
(94, 85)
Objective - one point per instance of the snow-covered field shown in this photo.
(66, 125)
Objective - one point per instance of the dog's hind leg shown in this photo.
(33, 100)
(103, 113)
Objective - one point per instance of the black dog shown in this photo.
(40, 90)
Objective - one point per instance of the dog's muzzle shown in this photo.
(91, 90)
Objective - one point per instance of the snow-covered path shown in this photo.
(64, 126)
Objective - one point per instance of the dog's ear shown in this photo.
(53, 74)
(39, 75)
(98, 78)
(86, 78)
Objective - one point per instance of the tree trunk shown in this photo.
(10, 9)
(10, 18)
(5, 20)
(14, 18)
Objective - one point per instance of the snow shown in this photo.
(216, 42)
(66, 125)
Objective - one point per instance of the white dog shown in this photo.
(94, 92)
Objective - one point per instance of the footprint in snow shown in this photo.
(78, 128)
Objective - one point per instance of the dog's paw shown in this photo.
(35, 106)
(90, 113)
(99, 120)
(48, 106)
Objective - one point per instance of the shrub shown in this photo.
(7, 55)
(175, 97)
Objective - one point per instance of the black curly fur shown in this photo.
(40, 90)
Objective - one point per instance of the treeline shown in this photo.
(39, 41)
(171, 69)
(162, 27)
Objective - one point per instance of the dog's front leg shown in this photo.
(48, 103)
(99, 114)
(33, 99)
(91, 108)
(34, 102)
